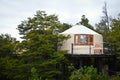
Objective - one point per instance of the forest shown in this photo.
(37, 56)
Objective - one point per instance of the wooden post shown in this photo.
(98, 62)
(105, 70)
(72, 48)
(90, 49)
(80, 63)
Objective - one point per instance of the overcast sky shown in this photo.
(12, 12)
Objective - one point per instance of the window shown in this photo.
(91, 40)
(83, 39)
(76, 39)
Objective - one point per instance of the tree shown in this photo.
(85, 22)
(13, 69)
(64, 27)
(7, 45)
(85, 73)
(104, 25)
(106, 17)
(8, 57)
(39, 29)
(114, 35)
(34, 74)
(40, 45)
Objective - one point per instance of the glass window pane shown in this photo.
(76, 39)
(91, 39)
(83, 39)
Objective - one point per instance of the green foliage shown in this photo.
(85, 73)
(42, 30)
(115, 31)
(13, 69)
(103, 26)
(34, 74)
(85, 22)
(64, 27)
(117, 77)
(40, 45)
(38, 56)
(90, 73)
(7, 45)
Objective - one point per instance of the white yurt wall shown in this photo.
(95, 48)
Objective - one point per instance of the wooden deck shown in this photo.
(99, 61)
(90, 55)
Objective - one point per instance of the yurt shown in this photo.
(82, 41)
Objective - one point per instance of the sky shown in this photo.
(12, 12)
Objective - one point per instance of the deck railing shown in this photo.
(106, 49)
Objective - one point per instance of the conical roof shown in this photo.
(79, 29)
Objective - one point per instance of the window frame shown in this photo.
(89, 40)
(82, 42)
(77, 39)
